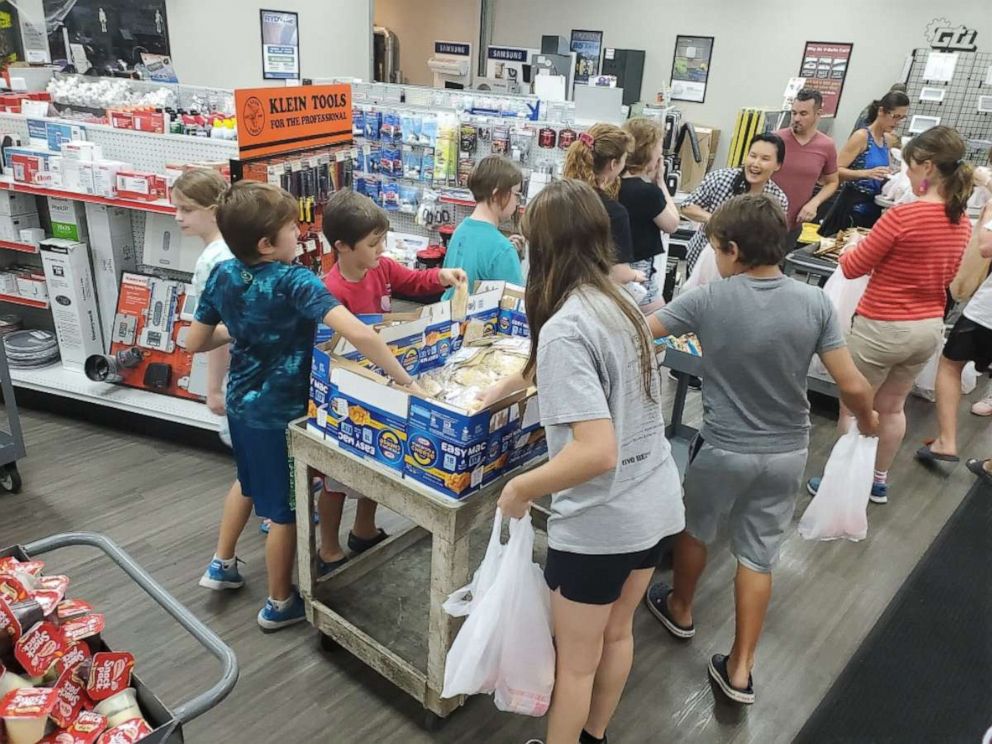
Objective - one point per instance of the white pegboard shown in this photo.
(188, 97)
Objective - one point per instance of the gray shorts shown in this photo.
(757, 491)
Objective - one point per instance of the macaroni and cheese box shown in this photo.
(370, 417)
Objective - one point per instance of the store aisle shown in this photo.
(161, 501)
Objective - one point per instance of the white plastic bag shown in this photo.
(845, 294)
(460, 602)
(505, 646)
(705, 270)
(840, 508)
(926, 382)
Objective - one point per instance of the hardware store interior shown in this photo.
(497, 371)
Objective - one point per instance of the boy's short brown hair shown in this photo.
(493, 178)
(351, 217)
(250, 211)
(756, 224)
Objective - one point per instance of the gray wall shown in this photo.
(758, 46)
(217, 43)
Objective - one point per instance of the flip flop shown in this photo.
(925, 454)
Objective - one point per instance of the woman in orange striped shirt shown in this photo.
(912, 254)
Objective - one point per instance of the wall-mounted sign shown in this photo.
(453, 48)
(277, 120)
(587, 46)
(691, 67)
(824, 66)
(507, 63)
(280, 45)
(947, 38)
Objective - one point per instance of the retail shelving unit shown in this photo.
(146, 151)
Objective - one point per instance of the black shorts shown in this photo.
(596, 579)
(969, 341)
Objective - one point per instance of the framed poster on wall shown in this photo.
(280, 45)
(824, 66)
(691, 67)
(587, 45)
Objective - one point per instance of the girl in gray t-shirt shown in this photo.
(614, 487)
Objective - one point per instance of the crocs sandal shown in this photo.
(359, 544)
(720, 674)
(925, 454)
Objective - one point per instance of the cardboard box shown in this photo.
(113, 252)
(68, 218)
(149, 121)
(693, 172)
(121, 119)
(73, 300)
(26, 167)
(13, 204)
(167, 247)
(136, 185)
(31, 284)
(58, 132)
(10, 227)
(105, 176)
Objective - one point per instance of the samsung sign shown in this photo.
(456, 48)
(507, 54)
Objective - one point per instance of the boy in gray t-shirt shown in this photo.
(759, 331)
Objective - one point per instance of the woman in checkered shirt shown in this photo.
(765, 156)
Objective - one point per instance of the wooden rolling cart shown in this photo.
(393, 625)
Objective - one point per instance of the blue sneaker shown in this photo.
(270, 619)
(879, 491)
(218, 578)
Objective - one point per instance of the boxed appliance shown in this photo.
(167, 247)
(73, 300)
(13, 203)
(113, 251)
(10, 227)
(68, 218)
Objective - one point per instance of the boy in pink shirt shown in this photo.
(362, 279)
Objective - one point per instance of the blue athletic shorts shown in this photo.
(264, 470)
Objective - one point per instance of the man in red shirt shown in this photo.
(362, 279)
(810, 157)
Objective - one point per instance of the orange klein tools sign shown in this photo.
(278, 120)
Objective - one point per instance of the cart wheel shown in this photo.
(10, 479)
(328, 644)
(432, 722)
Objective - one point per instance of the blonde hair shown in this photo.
(592, 152)
(647, 133)
(568, 231)
(201, 186)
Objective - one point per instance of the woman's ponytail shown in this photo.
(873, 108)
(958, 185)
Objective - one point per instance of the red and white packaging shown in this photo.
(149, 121)
(37, 650)
(71, 608)
(26, 167)
(71, 699)
(86, 729)
(13, 588)
(127, 733)
(50, 590)
(25, 712)
(81, 628)
(121, 119)
(110, 673)
(74, 655)
(136, 185)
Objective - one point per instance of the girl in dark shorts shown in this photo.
(615, 489)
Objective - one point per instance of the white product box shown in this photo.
(67, 171)
(10, 227)
(13, 204)
(105, 176)
(68, 218)
(8, 283)
(32, 235)
(73, 300)
(86, 182)
(113, 252)
(31, 284)
(167, 247)
(81, 150)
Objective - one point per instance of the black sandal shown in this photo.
(978, 468)
(359, 545)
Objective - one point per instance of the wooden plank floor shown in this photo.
(161, 501)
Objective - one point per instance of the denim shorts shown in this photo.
(265, 470)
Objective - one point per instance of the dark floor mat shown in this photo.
(924, 672)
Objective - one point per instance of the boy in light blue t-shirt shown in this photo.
(478, 247)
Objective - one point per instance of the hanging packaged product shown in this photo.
(373, 123)
(500, 144)
(428, 130)
(521, 142)
(547, 137)
(412, 161)
(358, 122)
(465, 168)
(566, 137)
(391, 196)
(409, 198)
(427, 167)
(469, 141)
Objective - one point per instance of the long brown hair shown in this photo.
(646, 134)
(568, 231)
(589, 155)
(944, 147)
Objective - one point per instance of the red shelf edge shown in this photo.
(126, 203)
(12, 245)
(27, 302)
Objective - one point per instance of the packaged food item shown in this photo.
(128, 732)
(120, 708)
(25, 713)
(38, 648)
(110, 673)
(87, 627)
